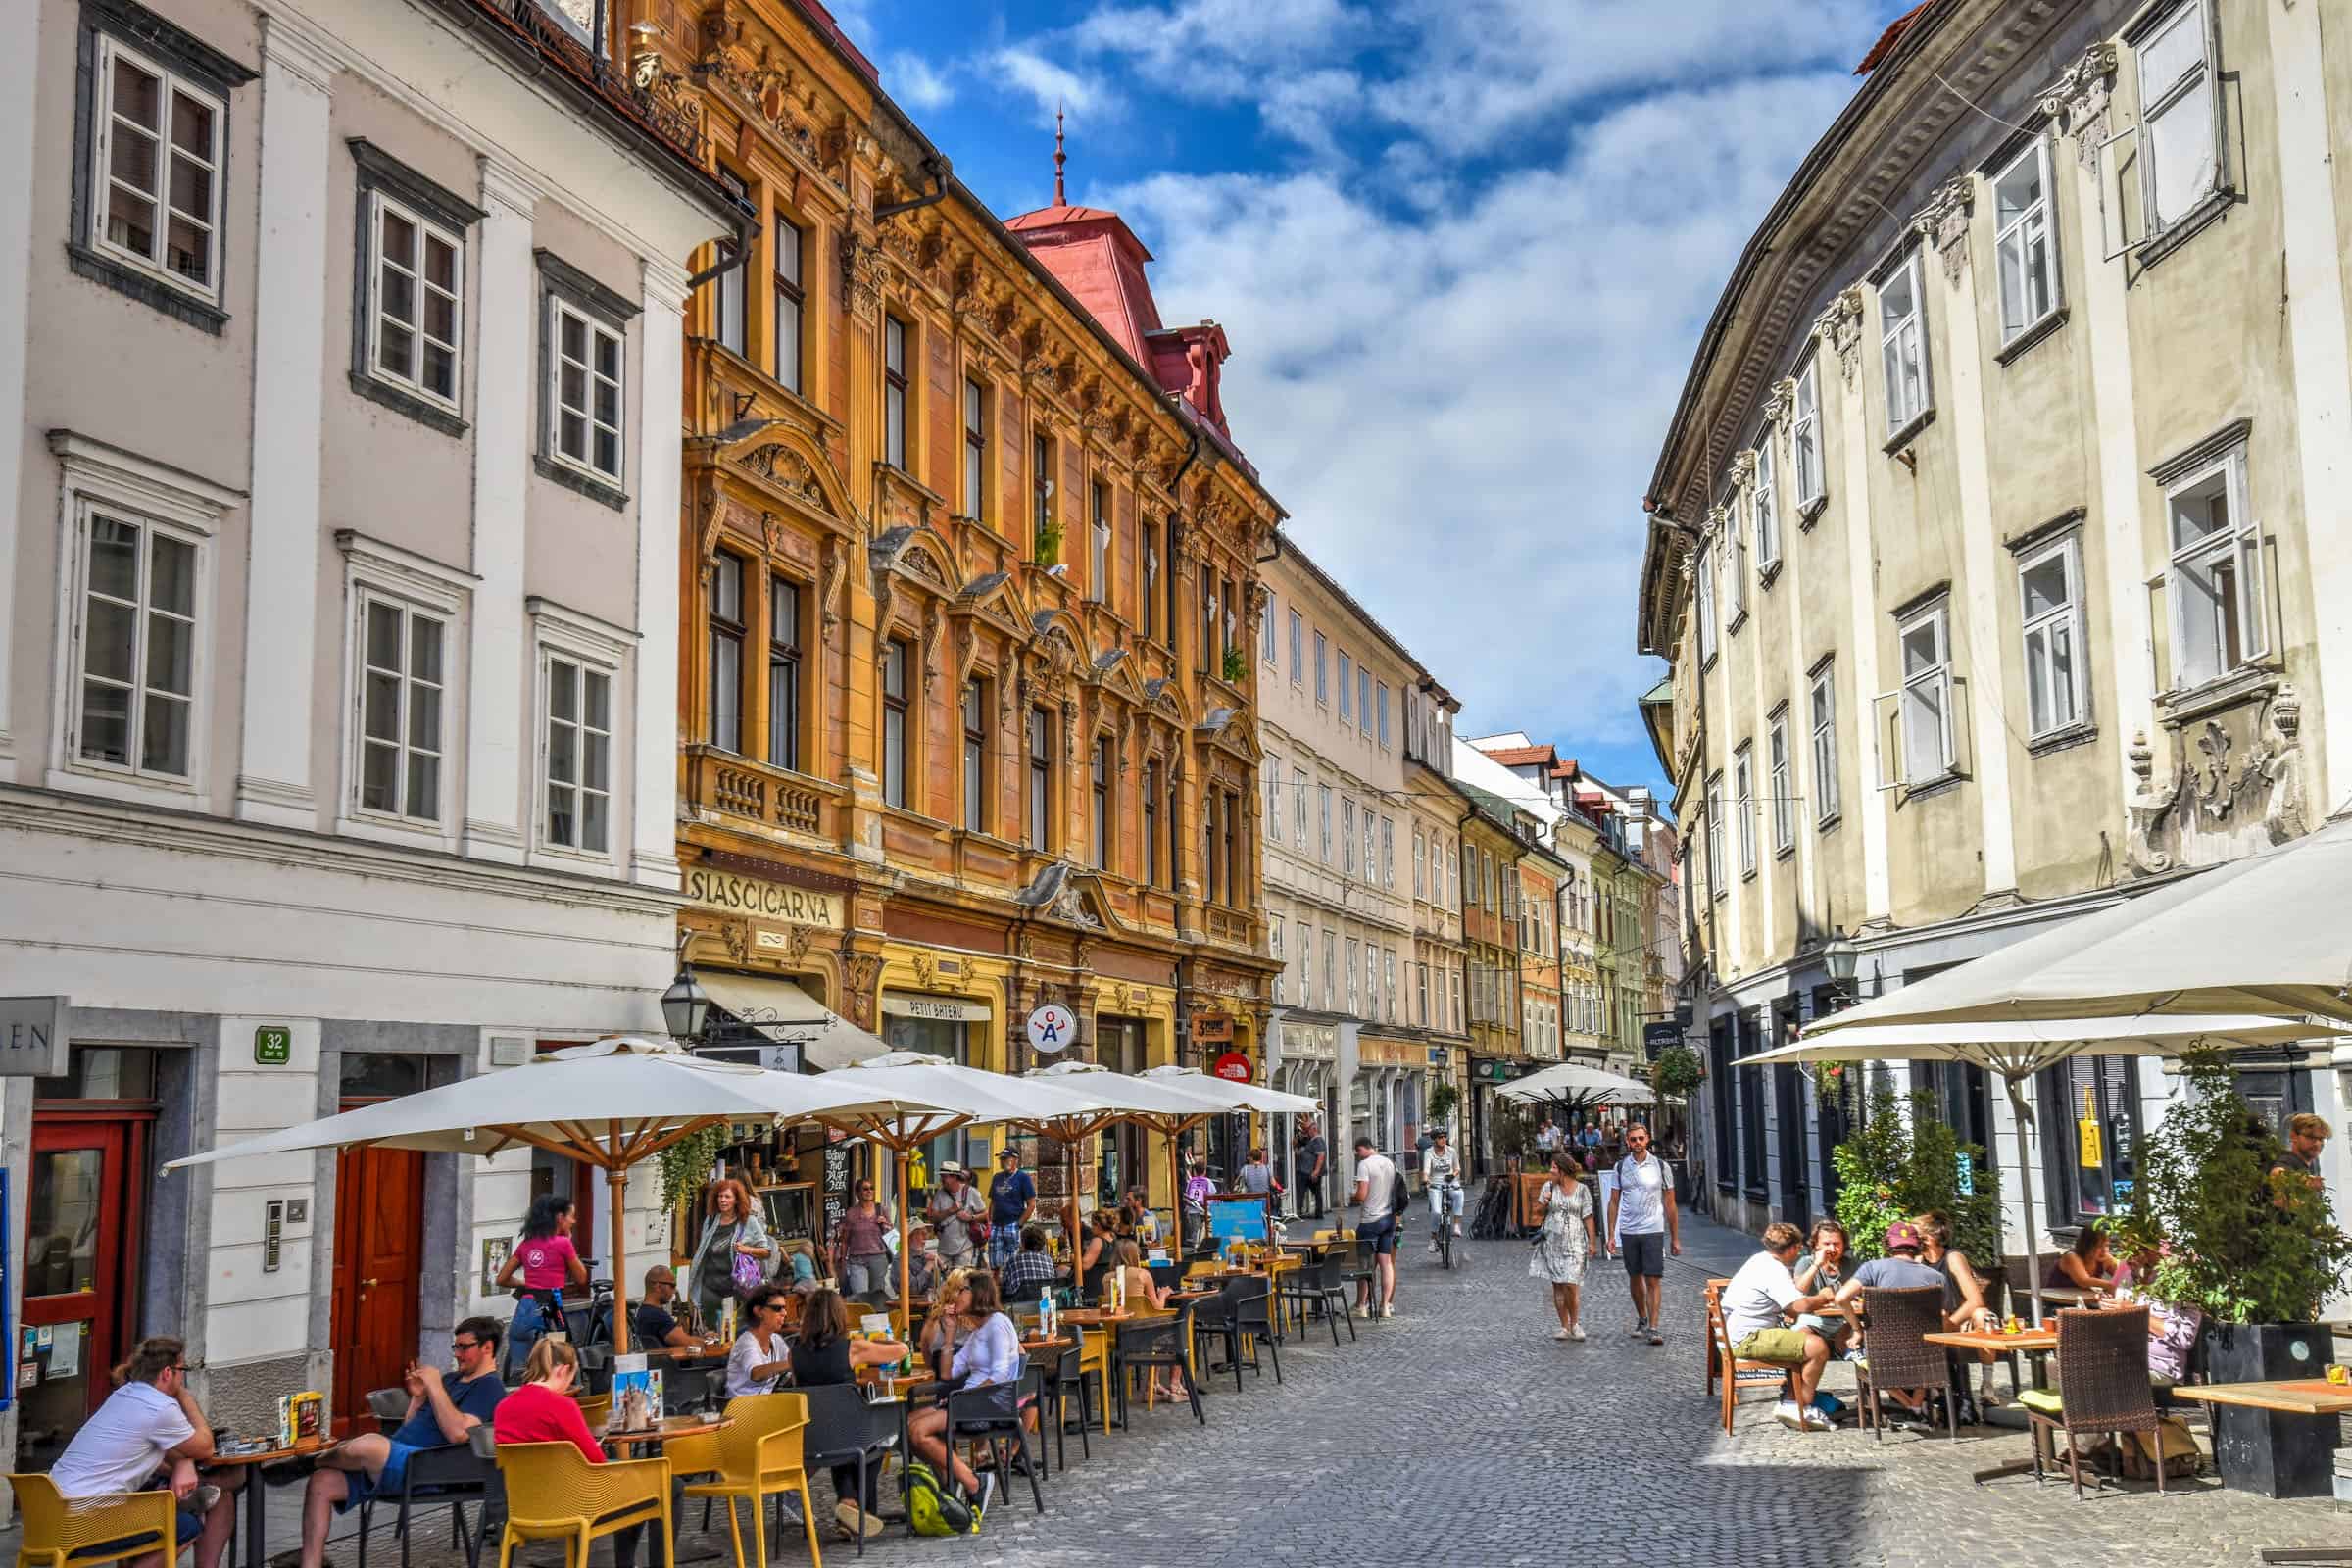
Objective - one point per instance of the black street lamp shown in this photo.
(685, 1005)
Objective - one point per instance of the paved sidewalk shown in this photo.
(1459, 1432)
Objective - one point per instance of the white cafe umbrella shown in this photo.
(904, 1099)
(1577, 1081)
(2017, 1049)
(1243, 1096)
(2271, 933)
(608, 1104)
(1160, 1104)
(1106, 1097)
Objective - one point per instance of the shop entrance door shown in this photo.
(379, 1246)
(81, 1246)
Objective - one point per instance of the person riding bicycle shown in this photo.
(1442, 1179)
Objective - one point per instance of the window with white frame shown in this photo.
(157, 143)
(1346, 688)
(578, 755)
(584, 365)
(1274, 952)
(1273, 765)
(1717, 882)
(1331, 968)
(1307, 963)
(1823, 698)
(1777, 782)
(1768, 507)
(2220, 615)
(135, 626)
(1323, 670)
(1705, 574)
(1420, 864)
(1804, 438)
(402, 676)
(1348, 837)
(2049, 583)
(1381, 712)
(1323, 799)
(1387, 851)
(1298, 807)
(1368, 841)
(2025, 246)
(2180, 121)
(416, 305)
(1266, 648)
(1925, 642)
(1363, 696)
(1354, 949)
(1904, 344)
(1734, 536)
(1297, 648)
(1743, 804)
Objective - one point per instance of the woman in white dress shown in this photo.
(1567, 1239)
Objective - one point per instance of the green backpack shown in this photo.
(932, 1509)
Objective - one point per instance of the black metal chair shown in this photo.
(1154, 1344)
(1361, 1267)
(596, 1368)
(851, 1437)
(1321, 1282)
(390, 1407)
(691, 1387)
(994, 1415)
(1059, 1382)
(1237, 1316)
(453, 1473)
(1253, 1314)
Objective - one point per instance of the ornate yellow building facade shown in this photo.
(968, 584)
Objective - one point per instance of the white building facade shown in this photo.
(338, 679)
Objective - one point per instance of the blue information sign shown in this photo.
(1239, 1218)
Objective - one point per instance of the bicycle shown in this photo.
(1444, 1206)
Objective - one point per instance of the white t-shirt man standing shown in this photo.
(1376, 1226)
(1643, 1225)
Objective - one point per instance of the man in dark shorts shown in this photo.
(1376, 1225)
(1645, 1226)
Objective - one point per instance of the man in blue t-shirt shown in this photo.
(443, 1407)
(1011, 1202)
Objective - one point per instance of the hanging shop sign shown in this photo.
(1052, 1029)
(1233, 1066)
(1212, 1028)
(32, 1036)
(714, 889)
(940, 1009)
(1658, 1038)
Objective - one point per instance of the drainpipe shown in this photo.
(933, 166)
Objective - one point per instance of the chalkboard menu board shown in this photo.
(791, 1208)
(835, 1185)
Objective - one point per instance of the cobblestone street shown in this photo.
(1460, 1432)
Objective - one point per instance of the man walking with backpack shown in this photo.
(1379, 1190)
(1643, 1225)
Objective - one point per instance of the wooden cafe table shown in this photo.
(2293, 1396)
(2035, 1343)
(255, 1488)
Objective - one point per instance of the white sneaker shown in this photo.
(1638, 1329)
(1561, 1335)
(1789, 1416)
(1433, 1249)
(1577, 1334)
(1814, 1420)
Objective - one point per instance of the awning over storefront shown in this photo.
(790, 1016)
(941, 1009)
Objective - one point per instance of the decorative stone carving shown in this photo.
(862, 269)
(1068, 906)
(1841, 327)
(1741, 469)
(1943, 222)
(2077, 101)
(860, 971)
(1780, 400)
(926, 968)
(788, 470)
(2236, 786)
(836, 576)
(669, 100)
(736, 937)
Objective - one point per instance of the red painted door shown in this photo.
(82, 1220)
(379, 1246)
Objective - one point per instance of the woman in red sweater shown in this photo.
(543, 1410)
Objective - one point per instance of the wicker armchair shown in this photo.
(2102, 1384)
(1895, 1353)
(92, 1529)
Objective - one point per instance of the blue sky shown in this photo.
(1463, 250)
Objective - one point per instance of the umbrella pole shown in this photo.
(2025, 1184)
(617, 1189)
(905, 1241)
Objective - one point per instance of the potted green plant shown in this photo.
(1442, 1100)
(1677, 1072)
(1237, 664)
(1903, 1161)
(2256, 1249)
(1049, 544)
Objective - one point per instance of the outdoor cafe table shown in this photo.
(255, 1485)
(2037, 1344)
(669, 1427)
(2294, 1396)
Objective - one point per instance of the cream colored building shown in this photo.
(1340, 818)
(1998, 543)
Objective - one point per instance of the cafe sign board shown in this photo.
(32, 1036)
(731, 891)
(1212, 1028)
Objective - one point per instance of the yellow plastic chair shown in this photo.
(56, 1527)
(553, 1493)
(1094, 1361)
(597, 1412)
(756, 1459)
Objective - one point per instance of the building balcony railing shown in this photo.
(721, 782)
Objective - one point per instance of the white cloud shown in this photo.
(912, 81)
(1050, 86)
(1222, 48)
(1460, 407)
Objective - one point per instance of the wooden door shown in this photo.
(82, 1234)
(380, 1248)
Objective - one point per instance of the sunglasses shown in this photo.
(465, 1344)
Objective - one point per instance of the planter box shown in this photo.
(2265, 1451)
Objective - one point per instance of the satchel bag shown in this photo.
(750, 1273)
(2172, 1444)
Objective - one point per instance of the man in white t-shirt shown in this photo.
(1376, 1226)
(149, 1436)
(1643, 1225)
(1760, 1306)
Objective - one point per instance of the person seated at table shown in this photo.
(1899, 1270)
(654, 1325)
(1137, 1220)
(2087, 1266)
(923, 1268)
(1031, 1271)
(150, 1436)
(1760, 1308)
(1966, 1305)
(799, 1269)
(760, 1358)
(544, 1409)
(990, 1354)
(1143, 1292)
(1821, 1267)
(442, 1408)
(2173, 1327)
(825, 1355)
(1100, 1256)
(942, 1330)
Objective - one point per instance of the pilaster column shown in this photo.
(499, 722)
(1852, 501)
(289, 335)
(662, 333)
(18, 101)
